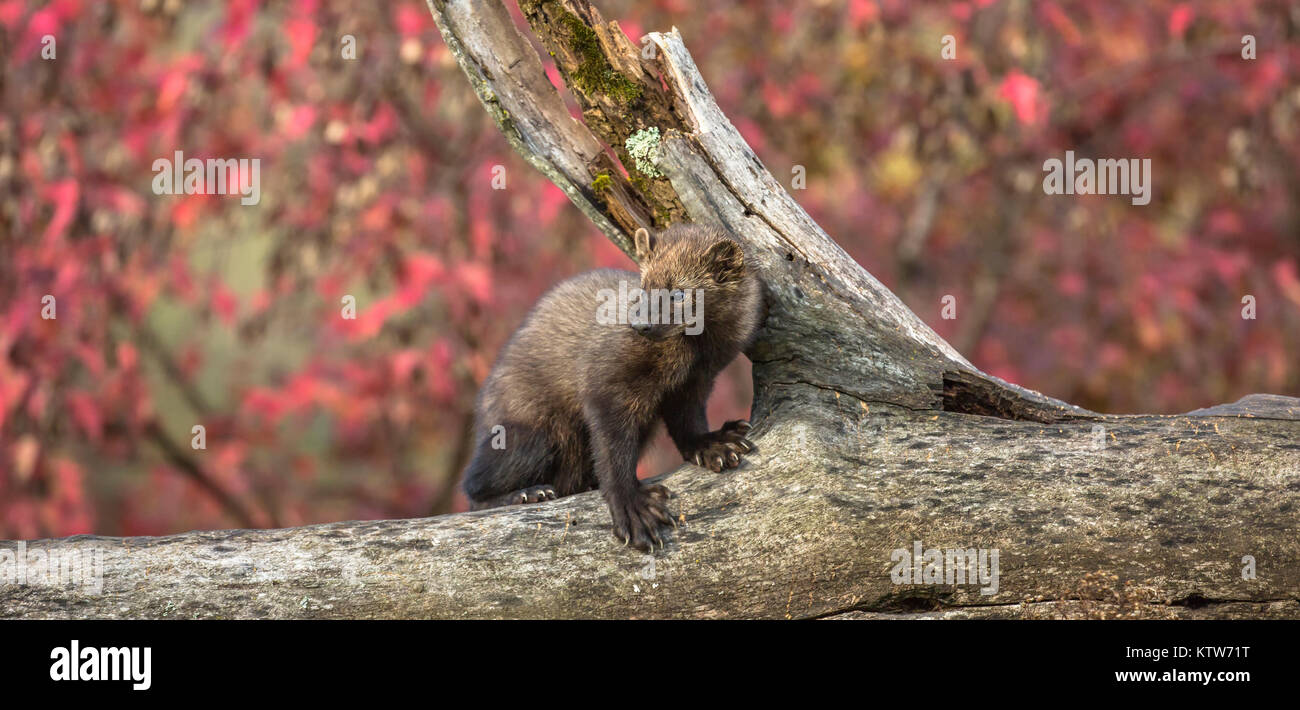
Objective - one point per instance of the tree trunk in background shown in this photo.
(873, 432)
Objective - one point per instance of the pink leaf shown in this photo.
(1023, 93)
(1179, 19)
(224, 303)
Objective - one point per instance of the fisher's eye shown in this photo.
(679, 295)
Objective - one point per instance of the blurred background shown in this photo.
(376, 182)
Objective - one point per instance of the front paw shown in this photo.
(638, 517)
(722, 448)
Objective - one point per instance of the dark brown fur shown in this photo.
(578, 400)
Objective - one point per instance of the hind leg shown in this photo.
(532, 494)
(510, 469)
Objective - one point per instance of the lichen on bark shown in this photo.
(643, 147)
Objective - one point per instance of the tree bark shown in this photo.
(872, 432)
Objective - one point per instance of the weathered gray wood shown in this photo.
(804, 529)
(873, 433)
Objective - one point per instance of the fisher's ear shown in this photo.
(644, 243)
(726, 261)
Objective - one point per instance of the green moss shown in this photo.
(602, 183)
(594, 74)
(639, 181)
